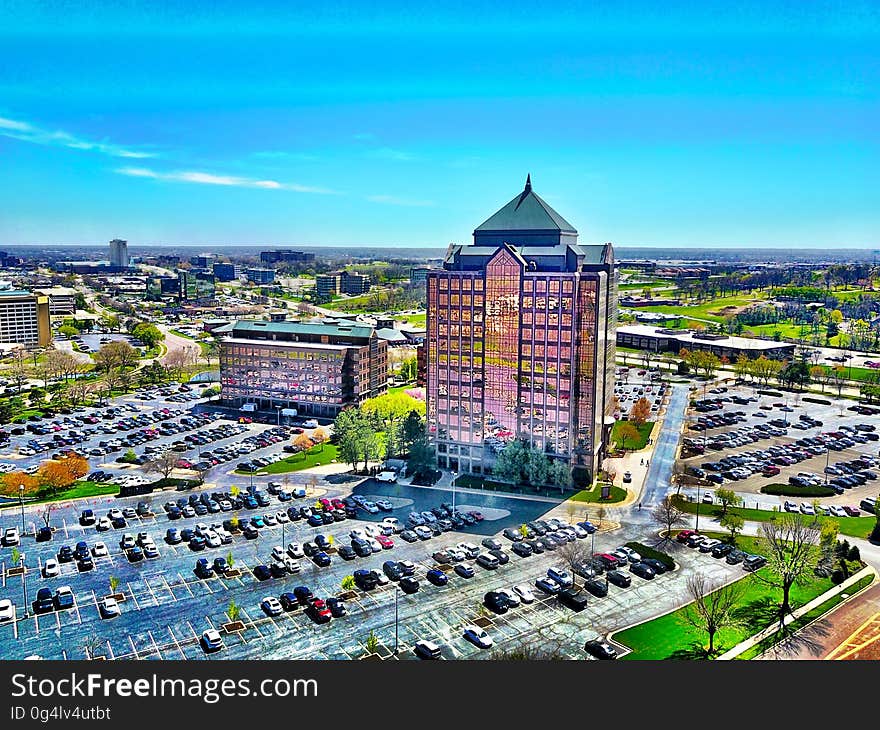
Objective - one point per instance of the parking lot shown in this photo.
(768, 439)
(635, 383)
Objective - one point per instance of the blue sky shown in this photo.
(685, 124)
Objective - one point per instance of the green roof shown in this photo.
(254, 325)
(526, 212)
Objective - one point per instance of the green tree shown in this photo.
(510, 462)
(114, 583)
(734, 524)
(728, 498)
(348, 583)
(627, 432)
(68, 330)
(147, 333)
(233, 611)
(411, 429)
(712, 609)
(537, 468)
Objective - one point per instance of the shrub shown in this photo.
(789, 490)
(821, 401)
(837, 577)
(649, 552)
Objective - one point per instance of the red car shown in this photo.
(851, 511)
(386, 542)
(318, 611)
(609, 561)
(337, 503)
(478, 516)
(326, 503)
(770, 470)
(684, 535)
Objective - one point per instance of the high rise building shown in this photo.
(327, 286)
(24, 319)
(353, 283)
(520, 342)
(318, 369)
(195, 286)
(119, 253)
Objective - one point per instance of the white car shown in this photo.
(371, 507)
(103, 524)
(213, 539)
(790, 506)
(375, 544)
(423, 532)
(291, 564)
(271, 606)
(838, 511)
(311, 423)
(394, 524)
(380, 577)
(477, 636)
(358, 534)
(386, 476)
(225, 505)
(524, 592)
(115, 514)
(51, 568)
(211, 640)
(11, 537)
(100, 550)
(469, 549)
(282, 517)
(7, 610)
(631, 554)
(109, 607)
(277, 553)
(270, 520)
(295, 550)
(807, 508)
(384, 504)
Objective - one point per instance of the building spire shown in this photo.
(528, 183)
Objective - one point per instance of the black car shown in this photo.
(221, 567)
(573, 598)
(523, 549)
(303, 595)
(722, 550)
(346, 552)
(365, 580)
(321, 559)
(643, 570)
(173, 536)
(288, 601)
(249, 531)
(409, 585)
(596, 587)
(600, 649)
(278, 569)
(464, 570)
(322, 542)
(496, 602)
(502, 557)
(65, 554)
(262, 572)
(203, 568)
(134, 555)
(409, 536)
(536, 545)
(656, 565)
(44, 601)
(310, 548)
(197, 542)
(734, 557)
(44, 534)
(87, 517)
(337, 607)
(392, 570)
(118, 523)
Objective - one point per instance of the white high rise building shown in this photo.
(119, 253)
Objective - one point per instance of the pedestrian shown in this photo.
(640, 506)
(642, 461)
(649, 463)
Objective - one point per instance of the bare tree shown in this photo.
(573, 554)
(713, 608)
(668, 515)
(163, 464)
(19, 368)
(792, 554)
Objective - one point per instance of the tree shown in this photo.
(712, 609)
(537, 467)
(68, 330)
(795, 374)
(10, 484)
(163, 464)
(19, 368)
(114, 583)
(372, 642)
(149, 334)
(641, 411)
(509, 464)
(573, 554)
(233, 611)
(741, 366)
(560, 474)
(412, 429)
(348, 583)
(627, 432)
(61, 473)
(734, 524)
(668, 515)
(179, 360)
(838, 377)
(303, 443)
(728, 498)
(819, 374)
(792, 554)
(319, 436)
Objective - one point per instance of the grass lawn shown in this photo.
(848, 527)
(644, 434)
(315, 456)
(78, 490)
(669, 637)
(706, 310)
(594, 495)
(401, 388)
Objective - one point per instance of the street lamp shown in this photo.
(396, 594)
(21, 502)
(278, 410)
(21, 554)
(454, 473)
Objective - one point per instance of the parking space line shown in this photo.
(176, 643)
(133, 648)
(133, 597)
(253, 624)
(110, 649)
(155, 645)
(168, 587)
(186, 585)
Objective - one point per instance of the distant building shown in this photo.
(225, 271)
(286, 255)
(195, 286)
(119, 253)
(327, 286)
(24, 319)
(62, 299)
(654, 339)
(260, 276)
(203, 261)
(352, 283)
(419, 274)
(317, 369)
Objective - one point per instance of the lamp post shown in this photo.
(278, 410)
(827, 457)
(396, 594)
(21, 555)
(454, 473)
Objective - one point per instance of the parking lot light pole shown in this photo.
(21, 503)
(697, 524)
(454, 473)
(21, 554)
(396, 594)
(827, 457)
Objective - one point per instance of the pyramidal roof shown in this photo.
(526, 212)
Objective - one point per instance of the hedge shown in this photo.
(648, 552)
(820, 401)
(790, 490)
(774, 393)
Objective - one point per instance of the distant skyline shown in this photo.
(710, 125)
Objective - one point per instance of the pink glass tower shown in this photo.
(520, 342)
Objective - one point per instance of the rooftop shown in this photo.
(739, 343)
(304, 328)
(526, 212)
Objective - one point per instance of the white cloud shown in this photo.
(27, 132)
(206, 178)
(393, 200)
